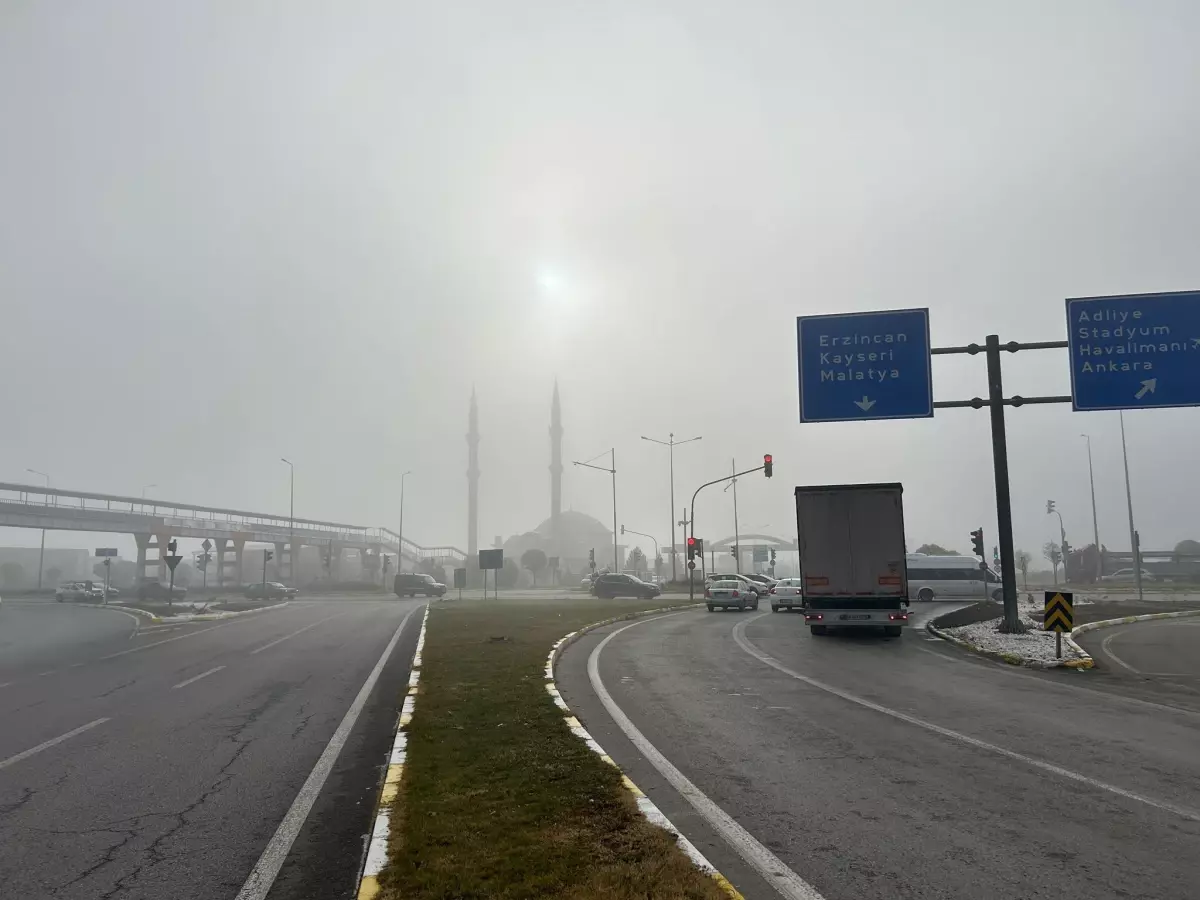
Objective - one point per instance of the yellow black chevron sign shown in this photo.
(1060, 611)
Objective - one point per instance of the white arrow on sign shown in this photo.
(864, 404)
(1148, 387)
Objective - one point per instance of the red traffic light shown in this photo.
(691, 548)
(768, 464)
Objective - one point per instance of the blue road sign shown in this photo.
(859, 366)
(1136, 351)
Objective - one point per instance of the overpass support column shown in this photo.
(239, 550)
(143, 543)
(163, 539)
(293, 559)
(335, 562)
(279, 547)
(221, 544)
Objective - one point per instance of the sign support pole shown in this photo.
(1008, 569)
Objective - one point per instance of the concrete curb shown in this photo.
(1129, 620)
(197, 617)
(645, 805)
(377, 849)
(1082, 661)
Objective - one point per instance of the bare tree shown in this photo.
(1053, 552)
(1023, 560)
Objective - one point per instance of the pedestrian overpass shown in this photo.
(154, 523)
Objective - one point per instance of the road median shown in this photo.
(498, 797)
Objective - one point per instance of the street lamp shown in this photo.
(1062, 533)
(652, 537)
(612, 471)
(1095, 521)
(291, 521)
(670, 445)
(42, 552)
(400, 536)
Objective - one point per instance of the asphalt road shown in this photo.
(160, 761)
(865, 767)
(1163, 650)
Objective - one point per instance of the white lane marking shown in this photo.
(1106, 649)
(739, 636)
(164, 641)
(762, 860)
(262, 876)
(196, 678)
(270, 644)
(46, 745)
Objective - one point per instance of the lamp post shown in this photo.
(670, 444)
(1095, 521)
(400, 536)
(612, 471)
(291, 521)
(42, 551)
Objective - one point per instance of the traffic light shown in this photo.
(977, 542)
(171, 545)
(691, 545)
(768, 464)
(1049, 507)
(592, 558)
(772, 556)
(622, 529)
(268, 555)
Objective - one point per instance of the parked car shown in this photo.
(269, 590)
(766, 581)
(151, 589)
(788, 594)
(1127, 575)
(409, 584)
(613, 585)
(73, 590)
(729, 592)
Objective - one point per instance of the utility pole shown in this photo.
(291, 524)
(670, 444)
(1095, 521)
(1133, 535)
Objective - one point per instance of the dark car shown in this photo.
(156, 590)
(269, 590)
(613, 585)
(409, 584)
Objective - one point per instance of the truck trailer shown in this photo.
(852, 556)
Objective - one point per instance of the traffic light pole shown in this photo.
(996, 402)
(692, 523)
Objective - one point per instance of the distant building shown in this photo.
(19, 567)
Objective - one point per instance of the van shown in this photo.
(959, 577)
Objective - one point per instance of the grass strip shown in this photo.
(498, 798)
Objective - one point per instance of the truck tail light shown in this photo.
(898, 617)
(813, 617)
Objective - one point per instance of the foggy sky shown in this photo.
(234, 231)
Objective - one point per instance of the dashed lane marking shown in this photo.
(739, 637)
(46, 745)
(196, 678)
(270, 644)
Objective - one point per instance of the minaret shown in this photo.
(556, 469)
(473, 483)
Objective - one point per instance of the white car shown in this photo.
(729, 592)
(748, 583)
(73, 590)
(788, 594)
(1127, 576)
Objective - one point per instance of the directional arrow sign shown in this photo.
(860, 366)
(1059, 612)
(1135, 351)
